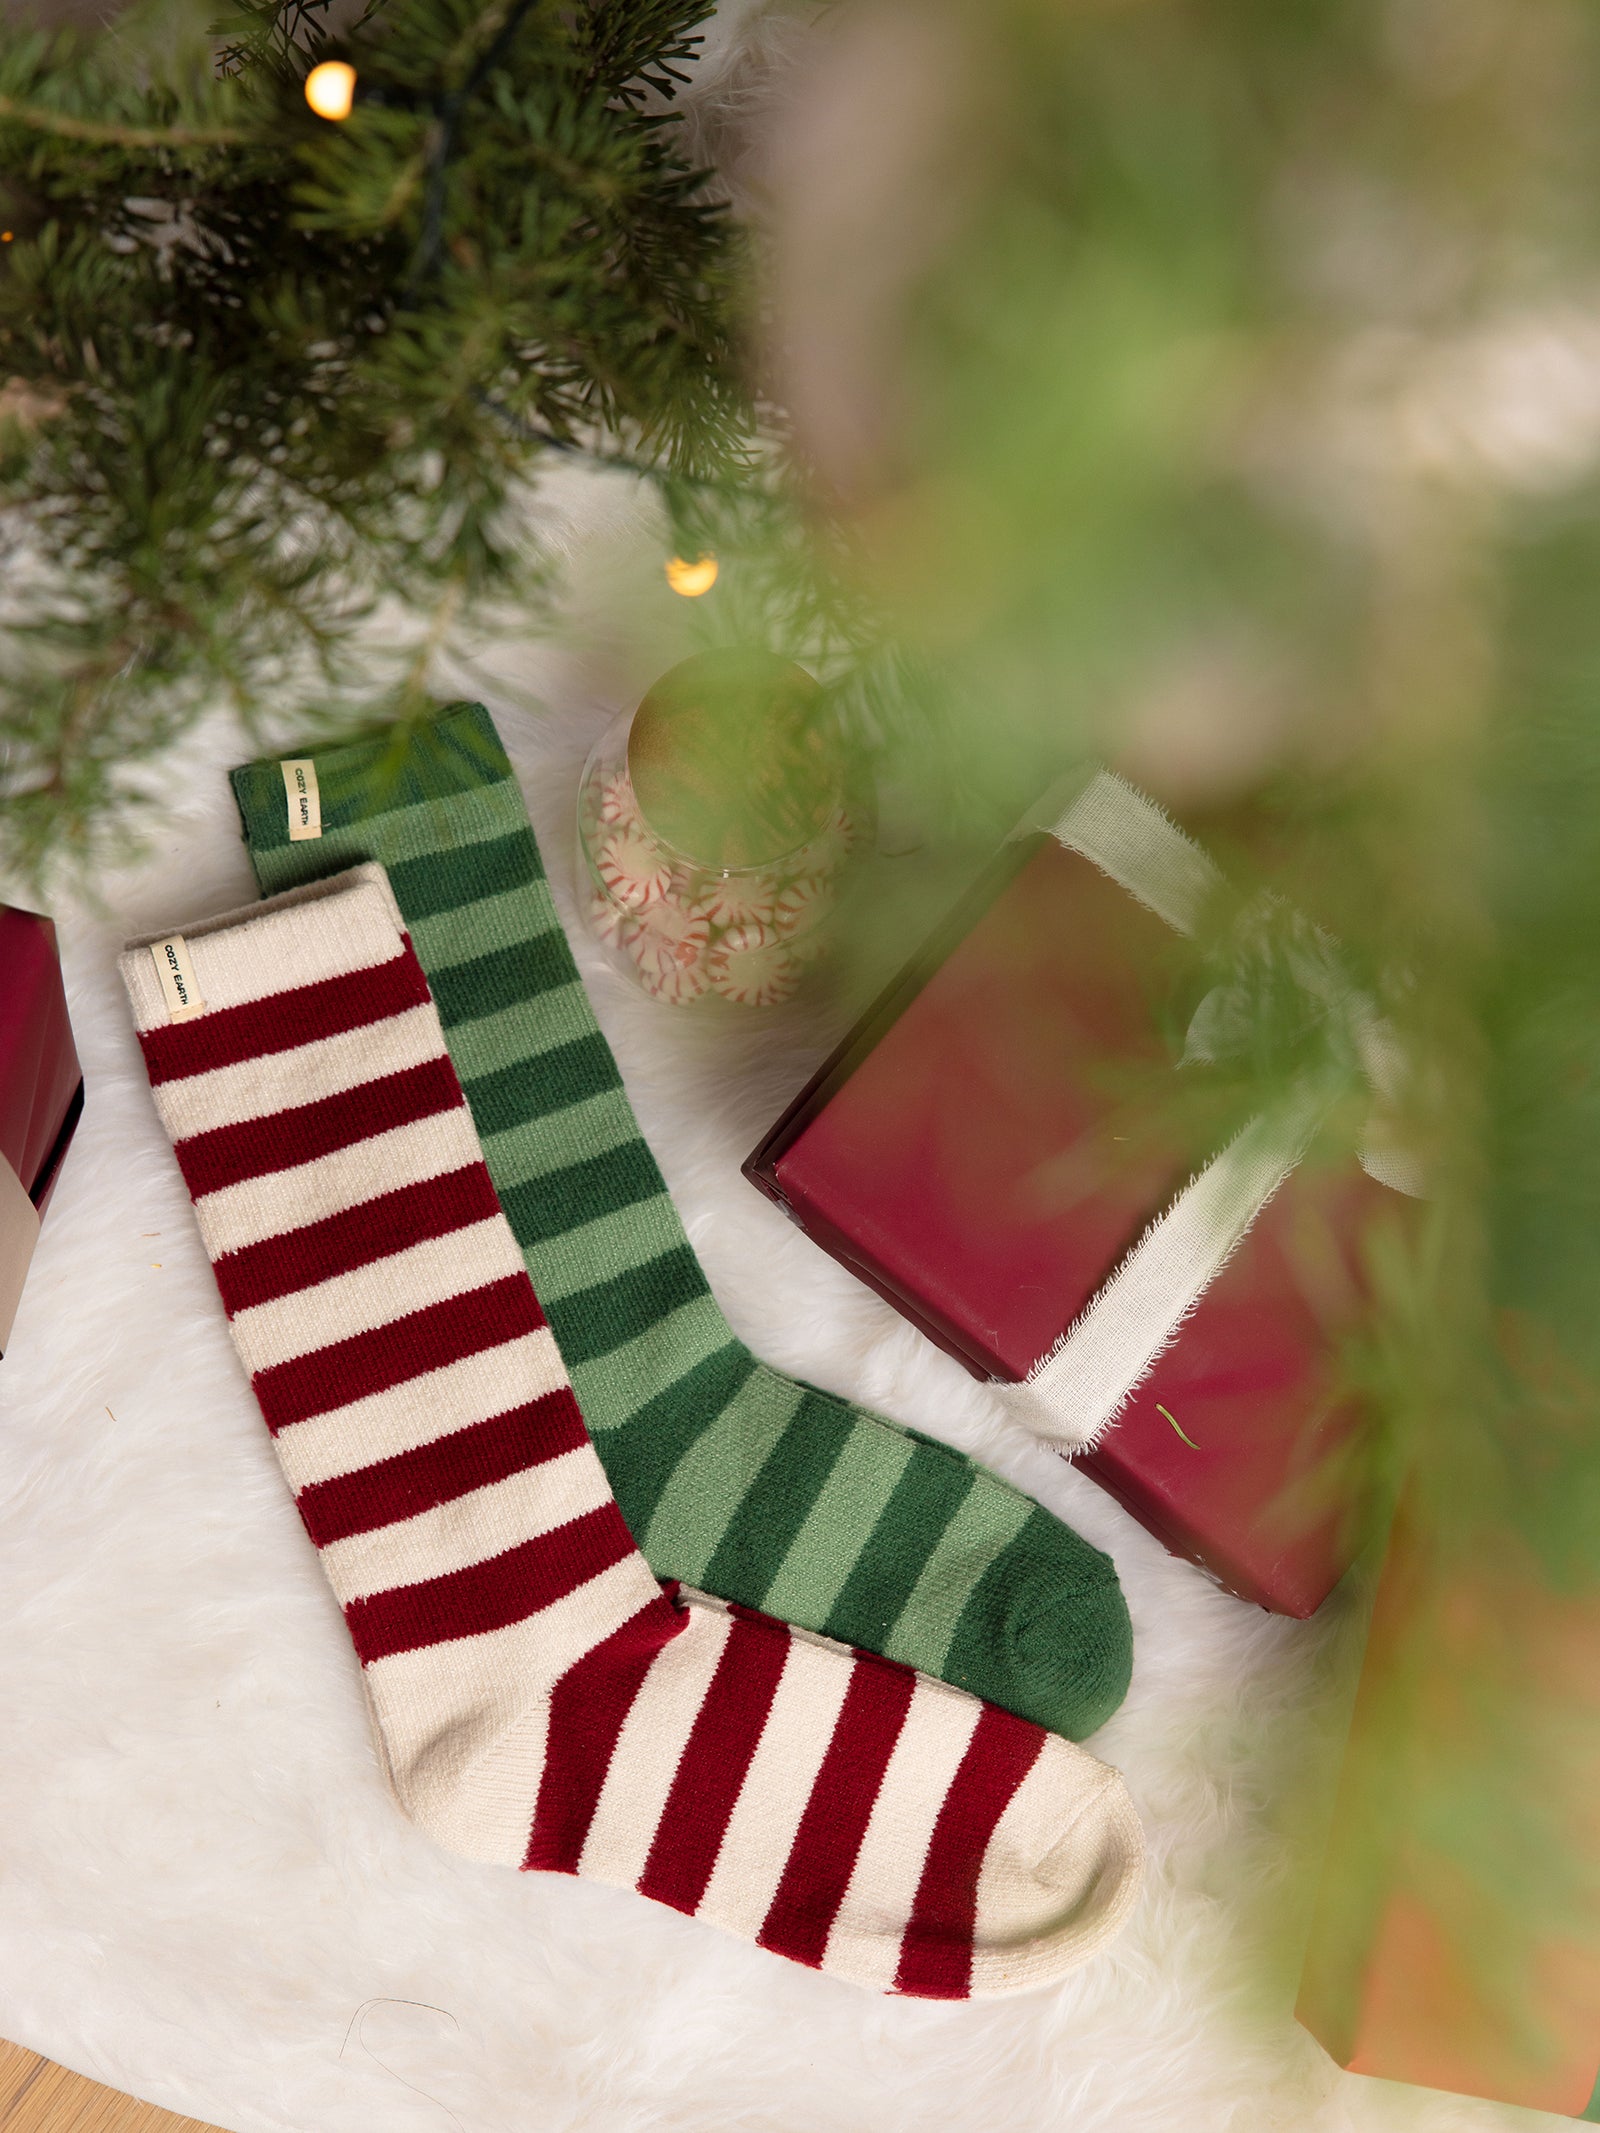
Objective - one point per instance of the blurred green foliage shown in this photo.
(263, 372)
(1223, 394)
(1242, 427)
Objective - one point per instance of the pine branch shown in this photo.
(62, 123)
(268, 371)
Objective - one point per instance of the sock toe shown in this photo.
(1047, 1632)
(1075, 1649)
(1060, 1877)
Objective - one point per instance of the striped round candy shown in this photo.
(751, 965)
(615, 926)
(666, 978)
(740, 899)
(677, 933)
(669, 949)
(614, 798)
(828, 850)
(633, 867)
(801, 903)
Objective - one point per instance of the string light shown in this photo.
(692, 579)
(331, 89)
(6, 236)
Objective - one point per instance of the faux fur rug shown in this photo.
(206, 1896)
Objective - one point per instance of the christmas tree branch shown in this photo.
(107, 133)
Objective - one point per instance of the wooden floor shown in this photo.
(36, 2097)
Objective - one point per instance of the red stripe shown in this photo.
(588, 1707)
(936, 1954)
(258, 1146)
(823, 1854)
(715, 1762)
(431, 1474)
(355, 1237)
(492, 1595)
(228, 1036)
(407, 1347)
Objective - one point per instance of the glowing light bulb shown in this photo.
(692, 579)
(331, 89)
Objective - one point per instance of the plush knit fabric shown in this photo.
(733, 1476)
(540, 1700)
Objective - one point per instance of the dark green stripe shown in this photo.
(751, 1551)
(592, 1322)
(465, 992)
(444, 881)
(534, 1088)
(643, 1456)
(927, 1496)
(566, 1199)
(414, 762)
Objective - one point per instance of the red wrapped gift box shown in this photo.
(41, 1092)
(968, 1152)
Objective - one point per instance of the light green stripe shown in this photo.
(613, 1387)
(594, 1127)
(839, 1524)
(989, 1519)
(518, 1034)
(479, 928)
(715, 1475)
(415, 832)
(610, 1245)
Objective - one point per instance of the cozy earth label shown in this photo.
(176, 972)
(305, 802)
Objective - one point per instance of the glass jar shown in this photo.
(716, 825)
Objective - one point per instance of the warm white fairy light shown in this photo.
(331, 89)
(692, 579)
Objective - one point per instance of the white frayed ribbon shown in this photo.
(1075, 1392)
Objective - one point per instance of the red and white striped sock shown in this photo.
(539, 1699)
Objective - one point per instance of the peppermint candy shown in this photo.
(615, 926)
(669, 950)
(614, 798)
(664, 978)
(801, 903)
(674, 932)
(633, 867)
(751, 965)
(740, 900)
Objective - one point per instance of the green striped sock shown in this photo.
(732, 1476)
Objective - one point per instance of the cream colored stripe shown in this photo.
(326, 932)
(761, 1830)
(864, 1944)
(469, 1529)
(1075, 1391)
(463, 1723)
(279, 1081)
(1061, 1873)
(287, 1200)
(649, 1747)
(421, 1410)
(1127, 836)
(378, 1294)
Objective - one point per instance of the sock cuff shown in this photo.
(324, 929)
(454, 751)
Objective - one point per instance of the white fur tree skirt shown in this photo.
(206, 1896)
